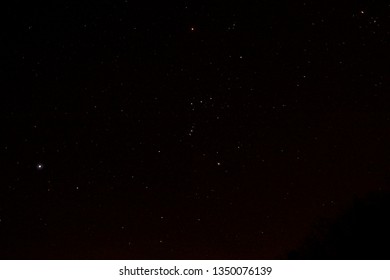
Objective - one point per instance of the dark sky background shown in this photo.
(188, 129)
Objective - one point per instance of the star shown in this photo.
(39, 166)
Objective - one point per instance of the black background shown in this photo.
(190, 129)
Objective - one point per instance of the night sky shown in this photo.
(188, 129)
